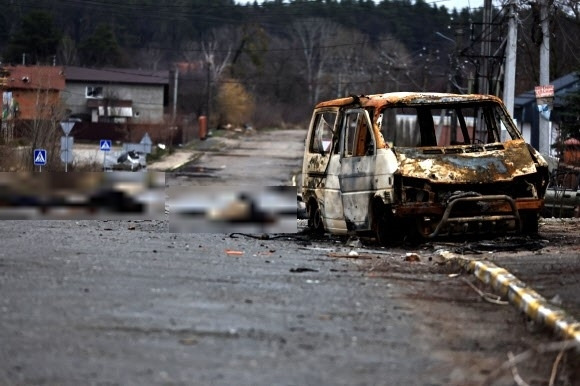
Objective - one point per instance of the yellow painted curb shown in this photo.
(522, 296)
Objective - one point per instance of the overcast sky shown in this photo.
(459, 4)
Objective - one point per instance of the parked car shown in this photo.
(429, 164)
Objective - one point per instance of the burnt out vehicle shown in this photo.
(420, 164)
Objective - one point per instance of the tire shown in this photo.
(384, 225)
(529, 223)
(315, 219)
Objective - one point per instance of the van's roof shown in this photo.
(407, 98)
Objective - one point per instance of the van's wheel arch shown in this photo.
(315, 222)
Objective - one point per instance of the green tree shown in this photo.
(570, 119)
(101, 48)
(37, 38)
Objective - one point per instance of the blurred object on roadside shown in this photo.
(208, 209)
(82, 195)
(129, 160)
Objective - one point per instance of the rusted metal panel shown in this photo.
(473, 167)
(406, 98)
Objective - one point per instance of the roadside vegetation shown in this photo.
(268, 63)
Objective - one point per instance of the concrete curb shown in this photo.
(194, 157)
(177, 166)
(521, 296)
(172, 166)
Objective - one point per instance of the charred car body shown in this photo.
(425, 164)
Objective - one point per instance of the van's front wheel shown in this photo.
(315, 219)
(384, 227)
(529, 223)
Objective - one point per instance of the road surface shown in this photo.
(125, 302)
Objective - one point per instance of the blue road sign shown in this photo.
(39, 157)
(105, 145)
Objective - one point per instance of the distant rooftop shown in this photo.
(116, 75)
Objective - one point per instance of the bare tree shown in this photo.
(349, 62)
(281, 98)
(151, 57)
(67, 51)
(564, 56)
(215, 51)
(43, 130)
(315, 39)
(395, 64)
(571, 7)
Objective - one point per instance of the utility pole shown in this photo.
(485, 47)
(209, 63)
(509, 86)
(483, 74)
(175, 80)
(544, 126)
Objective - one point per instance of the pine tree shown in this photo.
(570, 116)
(37, 38)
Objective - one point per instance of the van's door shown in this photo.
(321, 167)
(320, 143)
(357, 168)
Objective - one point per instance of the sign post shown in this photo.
(545, 102)
(105, 146)
(39, 157)
(66, 128)
(66, 154)
(544, 97)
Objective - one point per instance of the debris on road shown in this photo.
(488, 297)
(351, 255)
(412, 257)
(302, 269)
(502, 244)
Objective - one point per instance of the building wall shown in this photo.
(37, 104)
(147, 99)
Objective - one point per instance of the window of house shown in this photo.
(94, 92)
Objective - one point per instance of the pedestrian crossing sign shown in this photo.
(105, 145)
(39, 157)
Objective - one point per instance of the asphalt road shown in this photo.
(126, 302)
(268, 158)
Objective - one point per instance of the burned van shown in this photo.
(428, 164)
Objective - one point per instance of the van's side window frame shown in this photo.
(351, 130)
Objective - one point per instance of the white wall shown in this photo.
(147, 99)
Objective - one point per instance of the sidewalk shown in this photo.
(182, 156)
(174, 161)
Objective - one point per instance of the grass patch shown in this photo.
(157, 154)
